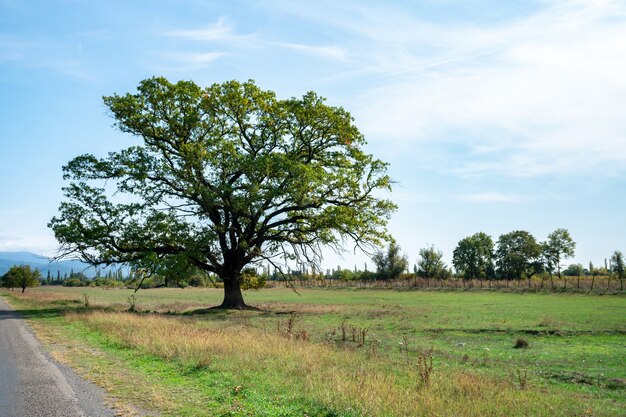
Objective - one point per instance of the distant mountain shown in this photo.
(9, 259)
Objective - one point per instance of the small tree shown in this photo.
(593, 272)
(558, 247)
(617, 261)
(473, 256)
(430, 263)
(21, 276)
(390, 263)
(575, 270)
(518, 255)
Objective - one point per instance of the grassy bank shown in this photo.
(343, 352)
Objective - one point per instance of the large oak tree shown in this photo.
(224, 176)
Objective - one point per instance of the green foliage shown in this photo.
(21, 276)
(518, 255)
(75, 282)
(430, 263)
(558, 247)
(617, 264)
(199, 280)
(574, 270)
(473, 256)
(390, 263)
(252, 280)
(224, 175)
(105, 282)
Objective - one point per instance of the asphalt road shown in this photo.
(32, 384)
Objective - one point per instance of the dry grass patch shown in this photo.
(41, 299)
(344, 380)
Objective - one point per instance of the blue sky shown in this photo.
(494, 115)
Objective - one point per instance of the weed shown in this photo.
(350, 333)
(521, 343)
(373, 350)
(288, 327)
(132, 301)
(303, 335)
(424, 367)
(344, 330)
(86, 300)
(522, 378)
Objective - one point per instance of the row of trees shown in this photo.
(516, 255)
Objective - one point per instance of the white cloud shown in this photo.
(490, 198)
(44, 244)
(543, 94)
(223, 31)
(220, 30)
(186, 61)
(332, 52)
(196, 58)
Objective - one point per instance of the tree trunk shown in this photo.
(551, 281)
(233, 298)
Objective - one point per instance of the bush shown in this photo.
(252, 280)
(75, 282)
(198, 281)
(105, 282)
(521, 343)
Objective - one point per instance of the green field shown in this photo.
(342, 352)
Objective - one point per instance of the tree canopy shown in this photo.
(558, 247)
(617, 260)
(390, 263)
(473, 256)
(224, 176)
(518, 255)
(430, 263)
(21, 276)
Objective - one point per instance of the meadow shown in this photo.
(340, 352)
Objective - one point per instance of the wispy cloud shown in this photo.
(536, 94)
(490, 197)
(196, 58)
(549, 86)
(43, 54)
(186, 61)
(40, 243)
(333, 52)
(222, 30)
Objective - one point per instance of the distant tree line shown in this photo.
(516, 257)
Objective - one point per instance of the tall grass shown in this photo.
(350, 380)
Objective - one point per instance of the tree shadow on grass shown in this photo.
(31, 313)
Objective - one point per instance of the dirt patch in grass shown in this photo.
(586, 379)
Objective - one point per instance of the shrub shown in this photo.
(521, 343)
